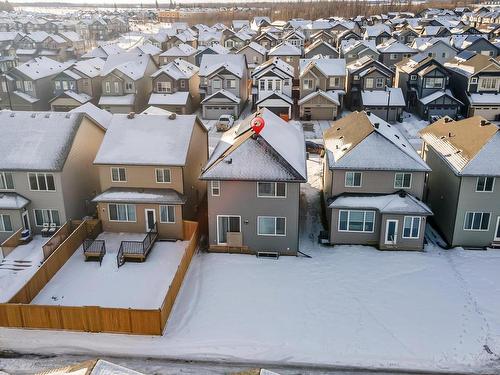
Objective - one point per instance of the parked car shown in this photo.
(314, 148)
(225, 122)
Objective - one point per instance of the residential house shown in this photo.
(176, 87)
(290, 54)
(322, 88)
(254, 205)
(103, 51)
(182, 51)
(296, 38)
(77, 44)
(272, 87)
(373, 200)
(79, 84)
(438, 48)
(352, 50)
(214, 49)
(475, 81)
(267, 40)
(224, 85)
(463, 189)
(126, 82)
(380, 33)
(235, 40)
(392, 51)
(254, 53)
(46, 172)
(426, 87)
(322, 48)
(148, 171)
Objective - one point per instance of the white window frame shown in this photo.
(219, 83)
(434, 79)
(107, 87)
(364, 221)
(37, 174)
(162, 170)
(275, 190)
(275, 218)
(169, 219)
(403, 179)
(50, 212)
(372, 83)
(3, 180)
(473, 80)
(309, 85)
(118, 171)
(474, 213)
(412, 218)
(484, 190)
(126, 211)
(228, 216)
(2, 224)
(164, 87)
(393, 56)
(28, 86)
(230, 83)
(116, 87)
(413, 77)
(353, 179)
(215, 185)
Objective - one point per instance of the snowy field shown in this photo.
(135, 285)
(18, 267)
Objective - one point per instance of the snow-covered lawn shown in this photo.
(410, 127)
(136, 285)
(18, 267)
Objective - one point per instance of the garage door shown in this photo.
(211, 112)
(319, 113)
(278, 110)
(440, 111)
(489, 113)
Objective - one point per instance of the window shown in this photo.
(479, 221)
(107, 87)
(231, 83)
(269, 85)
(28, 85)
(6, 181)
(163, 176)
(393, 56)
(413, 77)
(356, 221)
(225, 225)
(277, 84)
(353, 179)
(216, 84)
(46, 216)
(164, 86)
(262, 85)
(271, 189)
(215, 188)
(129, 86)
(117, 87)
(411, 227)
(488, 83)
(379, 83)
(308, 84)
(473, 80)
(41, 181)
(286, 82)
(121, 212)
(356, 77)
(485, 184)
(167, 214)
(402, 180)
(118, 175)
(271, 226)
(5, 223)
(369, 83)
(334, 81)
(444, 55)
(434, 83)
(182, 83)
(64, 85)
(57, 85)
(19, 85)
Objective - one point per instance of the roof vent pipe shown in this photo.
(172, 116)
(131, 115)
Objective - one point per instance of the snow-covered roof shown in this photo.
(79, 97)
(130, 64)
(177, 69)
(147, 140)
(329, 67)
(180, 50)
(276, 154)
(36, 141)
(175, 98)
(91, 67)
(26, 97)
(380, 98)
(128, 99)
(394, 46)
(349, 140)
(140, 195)
(223, 92)
(330, 95)
(275, 64)
(12, 201)
(41, 67)
(436, 95)
(236, 64)
(469, 147)
(484, 98)
(256, 47)
(152, 110)
(98, 115)
(277, 95)
(285, 49)
(386, 204)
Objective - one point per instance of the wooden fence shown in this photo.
(20, 314)
(58, 237)
(11, 243)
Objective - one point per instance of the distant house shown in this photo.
(322, 88)
(267, 40)
(373, 200)
(474, 80)
(437, 48)
(289, 53)
(353, 50)
(393, 51)
(46, 173)
(254, 53)
(463, 189)
(126, 82)
(176, 87)
(426, 87)
(223, 85)
(380, 33)
(148, 172)
(320, 47)
(214, 49)
(182, 51)
(254, 206)
(388, 104)
(272, 87)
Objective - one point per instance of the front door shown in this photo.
(497, 230)
(150, 219)
(225, 225)
(26, 220)
(391, 232)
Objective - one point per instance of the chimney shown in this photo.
(131, 115)
(172, 116)
(376, 125)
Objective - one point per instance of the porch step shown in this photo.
(268, 254)
(495, 245)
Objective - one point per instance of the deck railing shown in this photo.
(138, 249)
(94, 248)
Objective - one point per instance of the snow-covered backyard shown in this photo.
(135, 285)
(17, 267)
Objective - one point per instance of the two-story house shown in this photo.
(322, 88)
(272, 87)
(289, 53)
(148, 171)
(254, 53)
(214, 49)
(267, 40)
(79, 84)
(373, 184)
(392, 51)
(426, 87)
(322, 48)
(254, 206)
(126, 82)
(46, 172)
(438, 48)
(182, 51)
(475, 80)
(176, 87)
(224, 85)
(28, 87)
(352, 50)
(463, 188)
